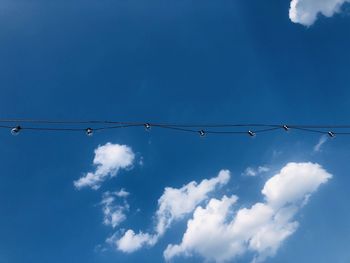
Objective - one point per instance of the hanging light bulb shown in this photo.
(251, 133)
(15, 131)
(201, 133)
(147, 126)
(285, 127)
(331, 134)
(89, 131)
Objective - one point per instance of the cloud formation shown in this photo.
(260, 229)
(306, 12)
(173, 205)
(323, 139)
(109, 159)
(113, 213)
(130, 242)
(251, 171)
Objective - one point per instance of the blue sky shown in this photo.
(174, 61)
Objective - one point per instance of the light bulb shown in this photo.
(89, 132)
(15, 131)
(252, 134)
(331, 134)
(285, 127)
(202, 133)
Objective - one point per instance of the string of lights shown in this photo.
(16, 126)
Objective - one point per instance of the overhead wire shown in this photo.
(90, 126)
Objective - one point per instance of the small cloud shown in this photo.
(323, 139)
(141, 162)
(251, 171)
(114, 213)
(276, 153)
(122, 193)
(100, 248)
(306, 12)
(109, 159)
(131, 242)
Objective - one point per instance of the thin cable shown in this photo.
(202, 130)
(174, 128)
(268, 130)
(71, 122)
(322, 126)
(309, 130)
(69, 129)
(117, 127)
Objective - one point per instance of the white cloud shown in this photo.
(251, 171)
(260, 229)
(323, 139)
(122, 193)
(294, 182)
(109, 159)
(131, 242)
(305, 12)
(173, 205)
(206, 233)
(113, 213)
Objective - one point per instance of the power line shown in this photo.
(91, 126)
(212, 125)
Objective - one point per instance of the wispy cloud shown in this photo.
(306, 12)
(323, 139)
(109, 159)
(251, 171)
(260, 229)
(114, 211)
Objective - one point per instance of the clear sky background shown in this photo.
(167, 61)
